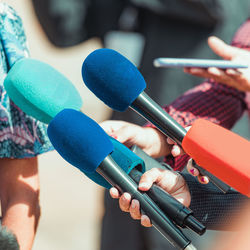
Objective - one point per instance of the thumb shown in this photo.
(148, 178)
(222, 49)
(127, 135)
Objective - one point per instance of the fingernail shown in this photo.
(192, 170)
(143, 185)
(134, 203)
(144, 217)
(114, 136)
(176, 150)
(203, 179)
(126, 196)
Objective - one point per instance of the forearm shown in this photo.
(19, 220)
(215, 102)
(19, 192)
(213, 208)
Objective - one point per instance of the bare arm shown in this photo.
(19, 192)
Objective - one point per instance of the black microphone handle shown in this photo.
(118, 178)
(176, 211)
(154, 113)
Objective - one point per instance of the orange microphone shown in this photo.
(120, 85)
(221, 152)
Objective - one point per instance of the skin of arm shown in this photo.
(19, 193)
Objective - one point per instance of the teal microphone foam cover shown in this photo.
(40, 90)
(124, 157)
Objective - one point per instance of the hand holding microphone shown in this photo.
(77, 143)
(150, 140)
(171, 182)
(119, 84)
(24, 83)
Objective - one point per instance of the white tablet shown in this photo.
(196, 63)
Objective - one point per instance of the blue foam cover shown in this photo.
(40, 90)
(79, 140)
(124, 157)
(112, 78)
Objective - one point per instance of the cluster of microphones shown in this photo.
(45, 94)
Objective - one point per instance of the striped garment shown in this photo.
(212, 101)
(20, 135)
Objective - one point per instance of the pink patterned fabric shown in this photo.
(211, 100)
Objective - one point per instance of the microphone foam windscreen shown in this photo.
(40, 90)
(124, 157)
(112, 78)
(79, 140)
(221, 152)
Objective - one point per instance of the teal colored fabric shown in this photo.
(20, 135)
(124, 157)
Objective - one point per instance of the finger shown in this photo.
(203, 179)
(114, 193)
(127, 135)
(186, 69)
(149, 178)
(220, 75)
(145, 221)
(221, 48)
(215, 71)
(135, 210)
(113, 135)
(124, 202)
(176, 151)
(233, 72)
(191, 169)
(238, 80)
(199, 72)
(170, 141)
(110, 126)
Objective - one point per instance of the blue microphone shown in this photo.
(120, 85)
(84, 144)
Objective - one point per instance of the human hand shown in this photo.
(195, 172)
(172, 182)
(150, 140)
(177, 151)
(237, 78)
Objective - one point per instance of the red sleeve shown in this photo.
(210, 100)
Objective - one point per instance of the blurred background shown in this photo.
(72, 206)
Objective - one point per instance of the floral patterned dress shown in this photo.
(21, 136)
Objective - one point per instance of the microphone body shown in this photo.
(119, 84)
(38, 93)
(119, 179)
(181, 215)
(67, 137)
(40, 90)
(152, 112)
